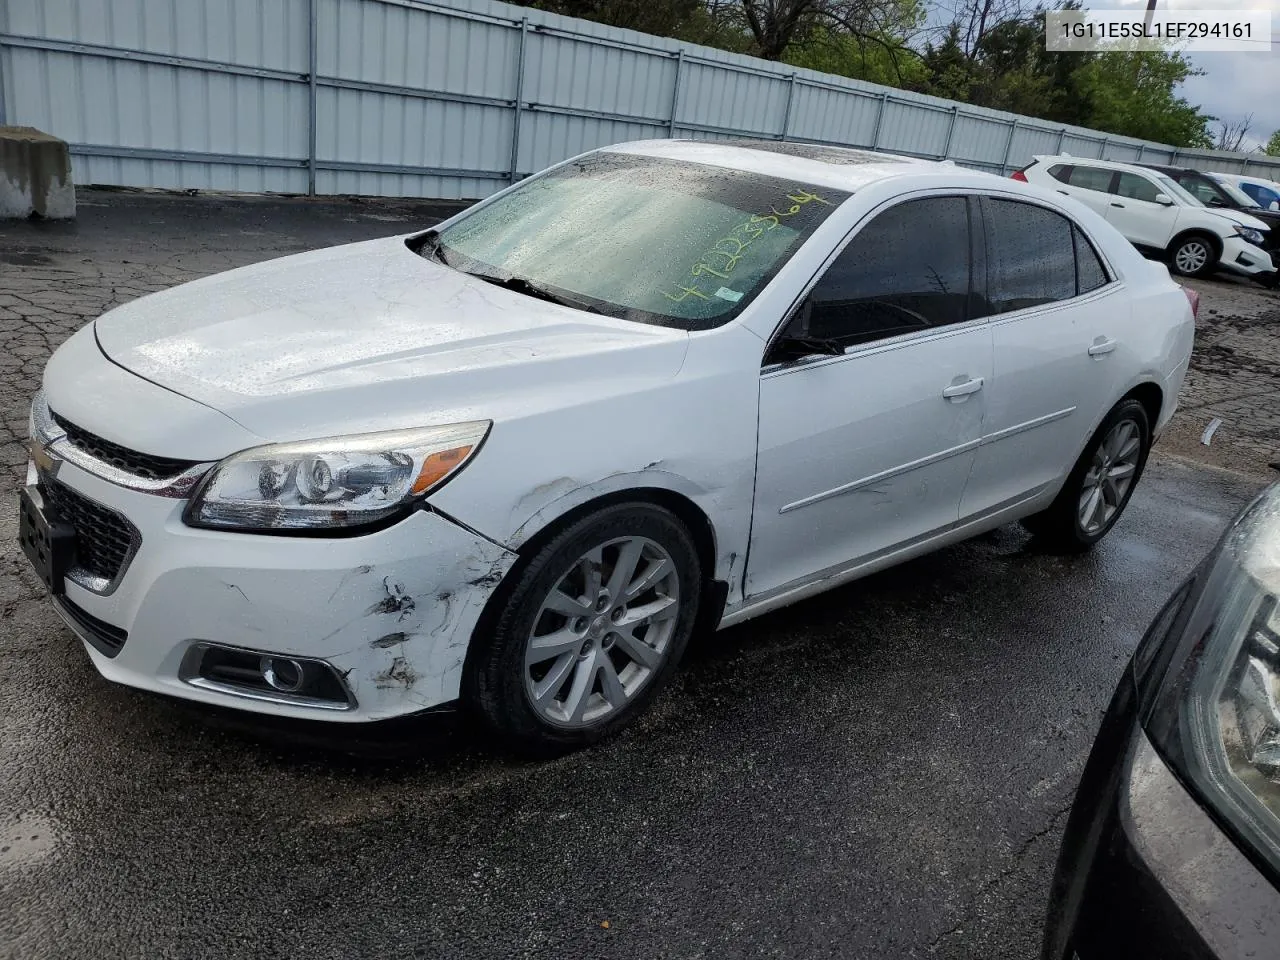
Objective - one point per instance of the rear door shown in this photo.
(1091, 186)
(1134, 212)
(1057, 318)
(864, 451)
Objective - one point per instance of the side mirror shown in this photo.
(1164, 199)
(1216, 202)
(1275, 205)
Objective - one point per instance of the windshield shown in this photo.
(1173, 189)
(1236, 194)
(644, 238)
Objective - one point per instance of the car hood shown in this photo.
(1243, 219)
(372, 336)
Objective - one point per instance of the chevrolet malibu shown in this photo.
(516, 461)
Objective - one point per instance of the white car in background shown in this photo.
(1265, 193)
(1154, 213)
(514, 460)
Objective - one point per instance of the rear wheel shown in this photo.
(1193, 256)
(590, 630)
(1100, 484)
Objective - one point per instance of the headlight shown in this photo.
(331, 483)
(1250, 234)
(1217, 716)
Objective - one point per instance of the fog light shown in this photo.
(260, 675)
(283, 675)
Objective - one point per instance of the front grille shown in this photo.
(122, 458)
(106, 639)
(105, 540)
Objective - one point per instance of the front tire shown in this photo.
(589, 630)
(1193, 256)
(1100, 484)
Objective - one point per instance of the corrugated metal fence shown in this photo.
(443, 99)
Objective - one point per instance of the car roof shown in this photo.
(845, 168)
(1091, 162)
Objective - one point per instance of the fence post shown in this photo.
(875, 134)
(2, 114)
(675, 93)
(1173, 161)
(1008, 147)
(1102, 148)
(786, 114)
(1244, 164)
(311, 96)
(951, 132)
(1142, 148)
(1062, 138)
(515, 120)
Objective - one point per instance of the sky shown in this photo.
(1233, 85)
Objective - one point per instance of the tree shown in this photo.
(1132, 93)
(1273, 145)
(777, 26)
(1231, 135)
(879, 57)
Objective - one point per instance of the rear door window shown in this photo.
(1031, 258)
(1091, 178)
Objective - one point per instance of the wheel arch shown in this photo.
(526, 544)
(1151, 395)
(1215, 241)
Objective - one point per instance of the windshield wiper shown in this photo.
(530, 289)
(430, 247)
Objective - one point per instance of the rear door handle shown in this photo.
(1120, 205)
(1102, 346)
(957, 392)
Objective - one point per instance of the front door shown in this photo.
(1134, 212)
(864, 451)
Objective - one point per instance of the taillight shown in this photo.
(1019, 175)
(1193, 298)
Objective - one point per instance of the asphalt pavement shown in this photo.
(882, 771)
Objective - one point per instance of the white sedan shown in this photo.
(518, 460)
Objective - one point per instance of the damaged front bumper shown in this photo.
(387, 615)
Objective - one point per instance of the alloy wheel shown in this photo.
(1110, 475)
(1191, 256)
(602, 632)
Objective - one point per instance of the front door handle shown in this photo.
(959, 392)
(1101, 347)
(1120, 205)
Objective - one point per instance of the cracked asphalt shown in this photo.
(882, 771)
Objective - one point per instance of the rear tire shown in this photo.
(588, 631)
(1100, 484)
(1195, 255)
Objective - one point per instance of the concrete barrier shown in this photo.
(35, 175)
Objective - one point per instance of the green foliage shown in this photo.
(1132, 93)
(881, 56)
(1273, 145)
(1125, 92)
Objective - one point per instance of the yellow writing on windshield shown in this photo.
(720, 259)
